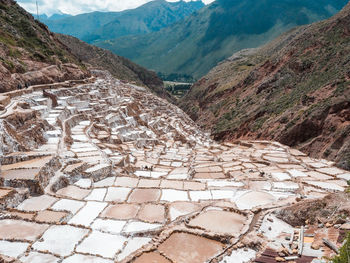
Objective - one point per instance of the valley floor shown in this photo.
(116, 174)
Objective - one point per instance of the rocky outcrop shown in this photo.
(333, 209)
(295, 90)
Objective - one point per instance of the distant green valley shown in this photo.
(196, 44)
(182, 41)
(100, 26)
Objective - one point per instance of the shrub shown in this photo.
(344, 252)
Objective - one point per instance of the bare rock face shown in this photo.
(326, 210)
(252, 241)
(52, 74)
(289, 90)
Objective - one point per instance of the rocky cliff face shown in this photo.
(30, 53)
(295, 90)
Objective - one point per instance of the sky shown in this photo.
(74, 7)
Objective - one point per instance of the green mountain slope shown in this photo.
(295, 90)
(81, 25)
(197, 43)
(119, 67)
(150, 17)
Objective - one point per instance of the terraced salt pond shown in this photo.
(123, 176)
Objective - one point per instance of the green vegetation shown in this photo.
(3, 7)
(15, 53)
(216, 107)
(177, 89)
(22, 31)
(6, 39)
(344, 253)
(196, 44)
(175, 77)
(9, 65)
(98, 26)
(341, 88)
(258, 124)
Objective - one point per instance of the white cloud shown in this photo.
(75, 7)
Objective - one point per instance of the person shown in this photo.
(19, 86)
(26, 85)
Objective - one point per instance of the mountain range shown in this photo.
(150, 17)
(31, 54)
(45, 18)
(295, 90)
(197, 43)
